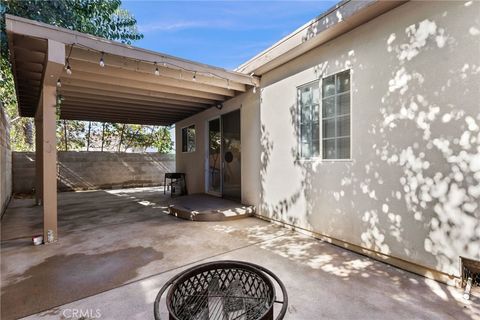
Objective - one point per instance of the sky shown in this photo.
(220, 33)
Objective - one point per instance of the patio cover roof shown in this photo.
(126, 90)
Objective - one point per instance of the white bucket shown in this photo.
(37, 240)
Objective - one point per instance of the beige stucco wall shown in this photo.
(193, 163)
(411, 190)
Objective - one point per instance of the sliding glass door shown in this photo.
(231, 150)
(224, 156)
(214, 172)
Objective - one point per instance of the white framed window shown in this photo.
(188, 138)
(308, 97)
(336, 135)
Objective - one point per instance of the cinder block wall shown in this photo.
(5, 162)
(95, 170)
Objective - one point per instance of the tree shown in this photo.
(72, 135)
(104, 18)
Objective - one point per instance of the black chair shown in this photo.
(175, 178)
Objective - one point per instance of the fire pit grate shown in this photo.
(222, 290)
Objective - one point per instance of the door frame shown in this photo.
(207, 150)
(224, 164)
(207, 156)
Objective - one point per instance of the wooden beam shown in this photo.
(73, 106)
(121, 116)
(131, 105)
(31, 44)
(30, 84)
(185, 82)
(31, 66)
(74, 91)
(146, 68)
(98, 80)
(55, 63)
(98, 118)
(92, 95)
(73, 83)
(27, 74)
(27, 55)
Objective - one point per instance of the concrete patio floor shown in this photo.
(118, 247)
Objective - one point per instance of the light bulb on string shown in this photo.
(194, 78)
(157, 72)
(59, 83)
(102, 63)
(69, 69)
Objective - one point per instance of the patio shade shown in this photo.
(135, 85)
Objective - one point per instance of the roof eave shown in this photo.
(37, 29)
(336, 21)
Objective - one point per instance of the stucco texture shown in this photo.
(193, 164)
(411, 190)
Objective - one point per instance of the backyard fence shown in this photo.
(95, 170)
(5, 161)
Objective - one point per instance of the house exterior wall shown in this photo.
(193, 164)
(5, 162)
(411, 190)
(415, 144)
(95, 170)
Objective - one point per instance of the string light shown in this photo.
(59, 83)
(157, 71)
(102, 63)
(69, 70)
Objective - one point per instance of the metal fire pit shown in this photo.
(223, 290)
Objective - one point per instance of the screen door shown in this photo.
(231, 155)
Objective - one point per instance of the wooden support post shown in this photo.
(38, 157)
(49, 97)
(88, 136)
(47, 112)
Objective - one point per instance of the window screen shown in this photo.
(188, 139)
(308, 130)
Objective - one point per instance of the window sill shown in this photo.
(318, 160)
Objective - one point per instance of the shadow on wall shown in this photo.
(417, 188)
(96, 170)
